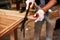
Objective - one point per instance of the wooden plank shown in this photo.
(15, 13)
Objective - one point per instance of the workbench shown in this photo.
(9, 22)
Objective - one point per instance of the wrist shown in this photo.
(45, 10)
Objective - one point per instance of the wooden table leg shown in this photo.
(13, 35)
(18, 5)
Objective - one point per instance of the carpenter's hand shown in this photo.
(29, 1)
(39, 15)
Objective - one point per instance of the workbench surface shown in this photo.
(9, 20)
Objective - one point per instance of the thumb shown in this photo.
(36, 16)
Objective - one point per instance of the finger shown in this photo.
(34, 14)
(26, 7)
(37, 19)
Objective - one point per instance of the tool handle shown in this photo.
(28, 9)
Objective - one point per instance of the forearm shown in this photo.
(49, 5)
